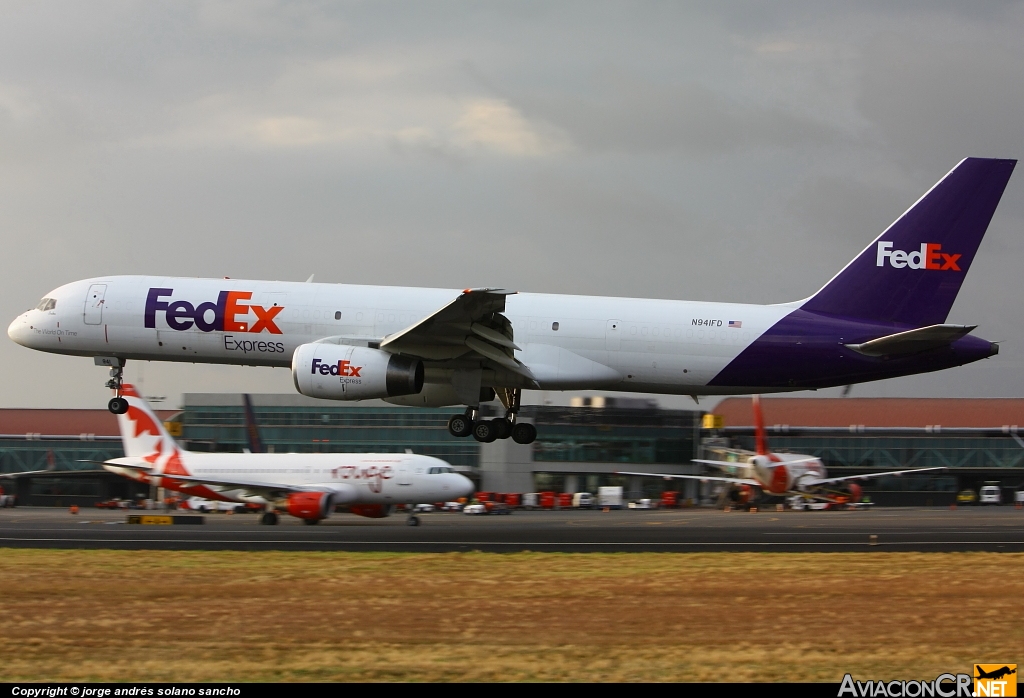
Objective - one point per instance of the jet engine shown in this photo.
(337, 372)
(311, 506)
(371, 511)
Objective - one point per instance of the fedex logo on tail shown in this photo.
(223, 315)
(342, 368)
(930, 256)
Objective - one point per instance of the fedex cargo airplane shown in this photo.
(305, 485)
(882, 316)
(795, 475)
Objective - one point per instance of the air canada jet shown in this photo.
(882, 316)
(305, 485)
(784, 474)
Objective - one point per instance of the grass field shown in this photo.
(246, 616)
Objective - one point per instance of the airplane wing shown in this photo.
(826, 481)
(913, 341)
(732, 464)
(706, 478)
(471, 322)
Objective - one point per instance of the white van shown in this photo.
(989, 494)
(583, 500)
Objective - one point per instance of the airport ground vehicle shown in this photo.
(474, 509)
(990, 494)
(883, 315)
(583, 500)
(967, 497)
(305, 485)
(610, 497)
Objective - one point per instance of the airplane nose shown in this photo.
(465, 486)
(18, 330)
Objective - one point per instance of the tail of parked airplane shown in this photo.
(142, 432)
(761, 442)
(913, 271)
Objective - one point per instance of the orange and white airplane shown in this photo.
(785, 474)
(305, 485)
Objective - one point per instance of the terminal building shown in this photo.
(578, 449)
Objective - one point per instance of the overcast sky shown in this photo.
(707, 151)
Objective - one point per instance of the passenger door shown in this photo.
(612, 333)
(404, 473)
(93, 313)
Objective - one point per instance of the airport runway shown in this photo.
(676, 530)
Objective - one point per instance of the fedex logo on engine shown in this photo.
(342, 368)
(930, 256)
(220, 316)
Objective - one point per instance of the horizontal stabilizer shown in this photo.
(913, 341)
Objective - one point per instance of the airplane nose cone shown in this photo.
(464, 486)
(18, 331)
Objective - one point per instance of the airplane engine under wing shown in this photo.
(337, 372)
(308, 505)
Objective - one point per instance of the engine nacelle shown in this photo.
(371, 511)
(308, 505)
(338, 372)
(437, 395)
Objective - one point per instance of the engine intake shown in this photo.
(336, 372)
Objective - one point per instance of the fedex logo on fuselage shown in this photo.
(342, 368)
(220, 316)
(930, 256)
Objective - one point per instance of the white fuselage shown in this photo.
(351, 478)
(627, 344)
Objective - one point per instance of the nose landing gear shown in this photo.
(117, 404)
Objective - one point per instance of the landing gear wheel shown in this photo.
(269, 519)
(311, 522)
(524, 433)
(502, 428)
(412, 521)
(484, 431)
(460, 425)
(118, 405)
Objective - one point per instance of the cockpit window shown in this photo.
(438, 470)
(47, 304)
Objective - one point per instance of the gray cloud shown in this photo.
(740, 153)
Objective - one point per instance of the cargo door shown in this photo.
(612, 333)
(94, 304)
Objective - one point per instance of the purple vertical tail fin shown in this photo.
(912, 272)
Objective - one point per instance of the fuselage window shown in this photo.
(554, 326)
(337, 315)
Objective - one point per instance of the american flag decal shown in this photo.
(735, 323)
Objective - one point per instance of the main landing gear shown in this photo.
(413, 520)
(269, 518)
(488, 430)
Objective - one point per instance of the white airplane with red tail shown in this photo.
(305, 485)
(785, 474)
